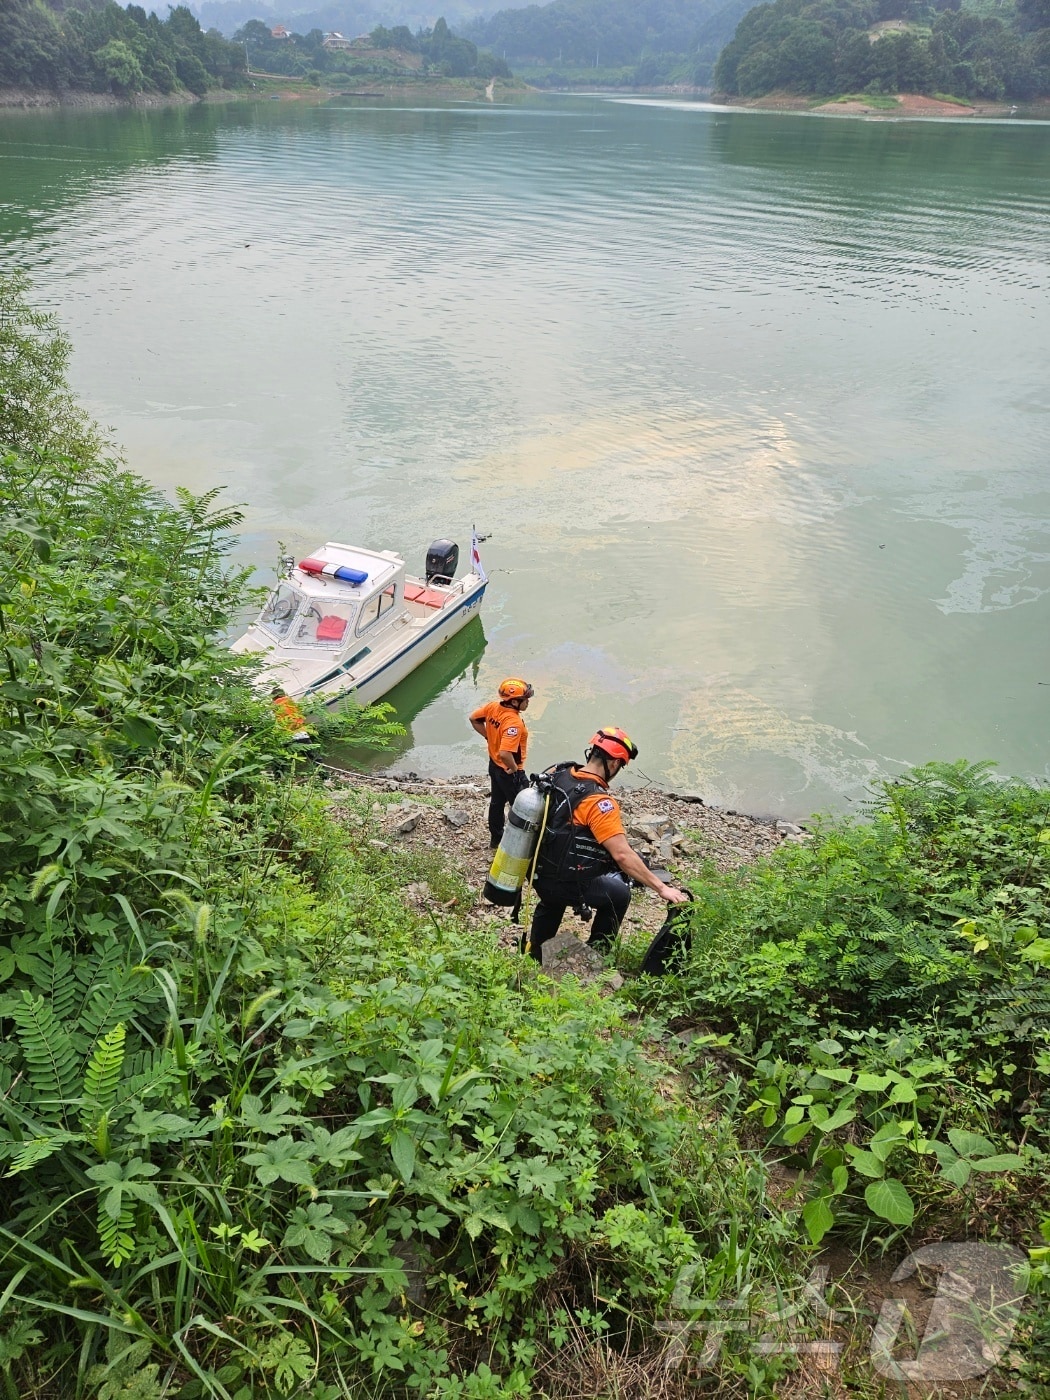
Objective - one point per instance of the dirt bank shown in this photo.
(902, 104)
(32, 99)
(448, 816)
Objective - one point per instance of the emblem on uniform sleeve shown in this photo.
(511, 732)
(606, 804)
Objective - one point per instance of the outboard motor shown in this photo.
(442, 561)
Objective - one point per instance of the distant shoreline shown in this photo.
(266, 88)
(272, 87)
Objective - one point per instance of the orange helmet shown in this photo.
(615, 743)
(514, 688)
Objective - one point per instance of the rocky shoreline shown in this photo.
(448, 817)
(26, 99)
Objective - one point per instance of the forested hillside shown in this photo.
(648, 41)
(102, 48)
(391, 54)
(884, 46)
(348, 16)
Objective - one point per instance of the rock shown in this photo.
(665, 850)
(650, 826)
(565, 954)
(455, 816)
(380, 845)
(418, 890)
(693, 797)
(407, 824)
(614, 981)
(789, 829)
(684, 846)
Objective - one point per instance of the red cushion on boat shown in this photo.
(429, 597)
(331, 628)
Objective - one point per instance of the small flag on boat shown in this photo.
(475, 556)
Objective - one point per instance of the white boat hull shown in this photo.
(366, 688)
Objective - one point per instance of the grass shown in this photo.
(880, 101)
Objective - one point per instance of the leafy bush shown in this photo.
(886, 983)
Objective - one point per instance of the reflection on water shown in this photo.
(416, 693)
(753, 407)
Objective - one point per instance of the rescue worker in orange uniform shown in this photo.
(585, 860)
(501, 725)
(289, 716)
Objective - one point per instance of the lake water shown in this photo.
(754, 408)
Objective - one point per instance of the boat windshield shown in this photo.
(322, 623)
(281, 607)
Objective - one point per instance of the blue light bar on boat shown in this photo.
(340, 571)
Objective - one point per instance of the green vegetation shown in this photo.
(834, 46)
(265, 1131)
(102, 48)
(389, 53)
(870, 99)
(885, 992)
(613, 42)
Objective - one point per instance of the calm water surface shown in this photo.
(754, 408)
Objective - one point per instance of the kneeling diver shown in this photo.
(585, 859)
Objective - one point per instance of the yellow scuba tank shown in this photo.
(511, 861)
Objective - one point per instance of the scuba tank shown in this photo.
(510, 864)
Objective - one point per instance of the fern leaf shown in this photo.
(38, 1150)
(103, 1074)
(116, 1237)
(55, 979)
(118, 995)
(51, 1061)
(157, 1074)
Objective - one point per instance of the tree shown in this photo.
(120, 66)
(37, 412)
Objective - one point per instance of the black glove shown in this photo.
(521, 781)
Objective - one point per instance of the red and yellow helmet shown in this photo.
(616, 743)
(514, 688)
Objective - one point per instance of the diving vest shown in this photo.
(569, 852)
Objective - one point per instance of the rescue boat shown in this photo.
(350, 621)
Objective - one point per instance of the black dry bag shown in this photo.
(673, 940)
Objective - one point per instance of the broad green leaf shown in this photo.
(890, 1201)
(839, 1179)
(970, 1144)
(403, 1151)
(817, 1218)
(871, 1083)
(140, 732)
(829, 1047)
(794, 1115)
(1003, 1162)
(866, 1162)
(885, 1140)
(957, 1172)
(903, 1093)
(838, 1119)
(283, 1160)
(795, 1133)
(837, 1073)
